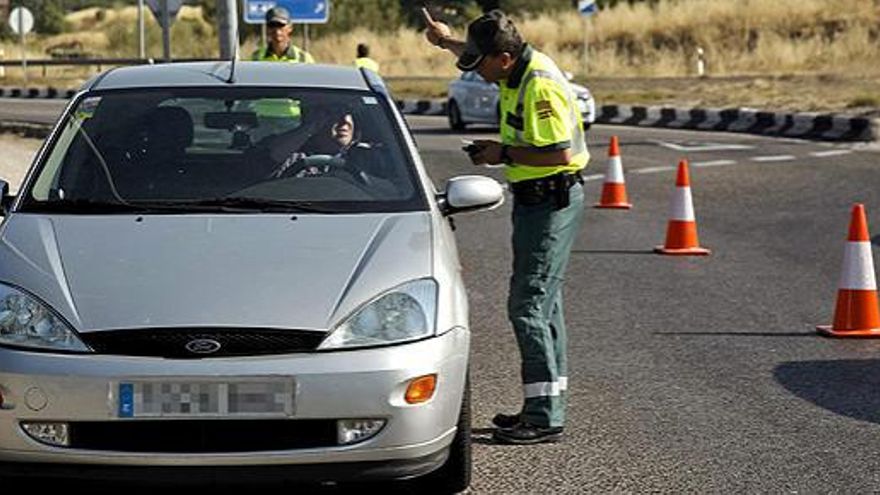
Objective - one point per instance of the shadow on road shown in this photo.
(742, 334)
(846, 387)
(612, 251)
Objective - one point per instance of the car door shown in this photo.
(485, 99)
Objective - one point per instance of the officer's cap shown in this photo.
(278, 16)
(490, 34)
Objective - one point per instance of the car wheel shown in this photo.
(455, 121)
(455, 474)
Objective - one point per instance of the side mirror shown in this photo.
(5, 199)
(471, 193)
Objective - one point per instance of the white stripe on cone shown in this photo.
(614, 171)
(858, 267)
(682, 205)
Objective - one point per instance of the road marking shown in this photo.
(830, 153)
(715, 163)
(593, 177)
(691, 146)
(651, 170)
(773, 158)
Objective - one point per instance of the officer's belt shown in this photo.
(535, 191)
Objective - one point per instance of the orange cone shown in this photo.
(856, 314)
(681, 233)
(614, 187)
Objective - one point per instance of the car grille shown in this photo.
(202, 436)
(177, 342)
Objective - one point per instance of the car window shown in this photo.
(339, 150)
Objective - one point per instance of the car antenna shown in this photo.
(231, 79)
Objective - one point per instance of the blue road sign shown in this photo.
(301, 11)
(587, 7)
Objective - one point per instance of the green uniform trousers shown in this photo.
(542, 241)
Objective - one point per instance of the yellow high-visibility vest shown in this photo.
(539, 110)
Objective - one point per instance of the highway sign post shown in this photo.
(165, 11)
(586, 8)
(21, 20)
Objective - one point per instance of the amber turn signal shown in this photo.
(421, 389)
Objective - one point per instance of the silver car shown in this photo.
(235, 271)
(473, 100)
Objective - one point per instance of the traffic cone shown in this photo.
(856, 313)
(681, 232)
(614, 187)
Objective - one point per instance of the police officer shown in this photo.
(363, 59)
(280, 49)
(544, 150)
(279, 115)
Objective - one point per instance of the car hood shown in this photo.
(270, 271)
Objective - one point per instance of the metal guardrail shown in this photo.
(96, 61)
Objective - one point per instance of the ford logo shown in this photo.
(203, 346)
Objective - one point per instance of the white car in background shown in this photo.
(473, 100)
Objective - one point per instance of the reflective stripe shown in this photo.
(682, 205)
(858, 267)
(563, 383)
(614, 172)
(542, 389)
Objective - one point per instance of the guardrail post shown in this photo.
(701, 62)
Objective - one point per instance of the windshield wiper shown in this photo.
(260, 204)
(96, 206)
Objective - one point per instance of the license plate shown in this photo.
(264, 397)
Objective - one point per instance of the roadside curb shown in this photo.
(35, 93)
(815, 126)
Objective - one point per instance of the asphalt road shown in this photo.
(687, 374)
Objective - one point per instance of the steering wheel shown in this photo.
(329, 165)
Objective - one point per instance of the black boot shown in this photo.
(527, 434)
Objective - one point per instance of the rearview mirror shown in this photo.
(471, 193)
(231, 120)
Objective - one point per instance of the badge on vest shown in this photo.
(544, 109)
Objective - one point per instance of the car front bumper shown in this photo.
(330, 385)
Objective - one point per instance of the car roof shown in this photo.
(216, 74)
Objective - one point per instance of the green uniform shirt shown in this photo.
(367, 63)
(281, 108)
(539, 111)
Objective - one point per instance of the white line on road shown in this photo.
(593, 177)
(715, 163)
(830, 153)
(773, 158)
(651, 170)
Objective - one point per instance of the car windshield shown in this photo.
(227, 149)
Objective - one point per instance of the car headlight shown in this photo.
(403, 314)
(27, 322)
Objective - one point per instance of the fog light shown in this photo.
(421, 389)
(349, 431)
(57, 434)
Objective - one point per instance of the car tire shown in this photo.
(454, 114)
(454, 475)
